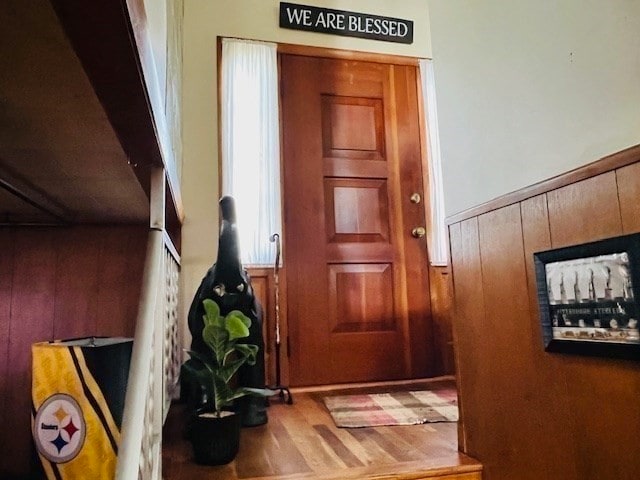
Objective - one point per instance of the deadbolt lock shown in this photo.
(415, 198)
(418, 232)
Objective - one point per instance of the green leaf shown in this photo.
(200, 360)
(248, 351)
(236, 326)
(258, 392)
(237, 313)
(201, 373)
(239, 394)
(212, 313)
(216, 338)
(223, 395)
(229, 370)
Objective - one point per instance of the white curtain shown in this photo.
(438, 255)
(251, 144)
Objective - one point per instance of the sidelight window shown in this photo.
(250, 144)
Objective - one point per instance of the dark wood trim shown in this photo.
(102, 35)
(283, 226)
(606, 164)
(308, 51)
(324, 52)
(219, 109)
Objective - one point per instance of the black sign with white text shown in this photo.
(349, 24)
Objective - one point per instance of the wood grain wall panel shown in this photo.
(6, 283)
(467, 326)
(555, 431)
(261, 281)
(50, 286)
(584, 212)
(607, 387)
(536, 237)
(441, 292)
(506, 347)
(121, 262)
(32, 307)
(454, 236)
(527, 413)
(76, 284)
(587, 209)
(137, 238)
(628, 179)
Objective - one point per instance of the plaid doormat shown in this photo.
(396, 408)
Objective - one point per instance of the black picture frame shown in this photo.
(589, 298)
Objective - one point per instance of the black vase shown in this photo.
(215, 440)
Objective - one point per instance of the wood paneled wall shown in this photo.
(262, 280)
(55, 284)
(528, 414)
(441, 291)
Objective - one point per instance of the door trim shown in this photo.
(309, 51)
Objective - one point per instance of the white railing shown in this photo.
(155, 364)
(172, 356)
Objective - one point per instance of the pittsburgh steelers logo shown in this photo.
(59, 429)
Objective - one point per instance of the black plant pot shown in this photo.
(215, 440)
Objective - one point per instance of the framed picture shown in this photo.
(588, 296)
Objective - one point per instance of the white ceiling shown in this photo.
(56, 143)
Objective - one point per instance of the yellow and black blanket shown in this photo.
(78, 397)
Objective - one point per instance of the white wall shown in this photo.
(529, 89)
(157, 27)
(204, 21)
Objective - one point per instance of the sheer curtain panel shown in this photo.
(438, 255)
(251, 144)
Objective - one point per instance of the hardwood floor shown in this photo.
(301, 441)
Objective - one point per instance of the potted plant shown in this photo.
(215, 429)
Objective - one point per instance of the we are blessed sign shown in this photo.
(341, 22)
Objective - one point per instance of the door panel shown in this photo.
(366, 219)
(352, 127)
(348, 171)
(361, 297)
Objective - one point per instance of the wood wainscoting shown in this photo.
(262, 280)
(441, 292)
(528, 414)
(58, 283)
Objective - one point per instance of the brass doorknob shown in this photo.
(418, 232)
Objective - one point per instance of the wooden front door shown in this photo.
(357, 280)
